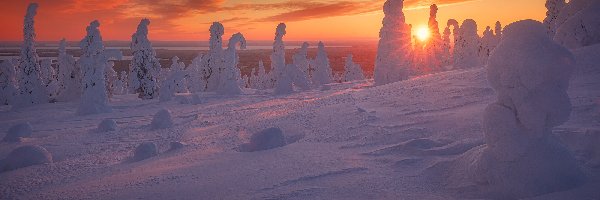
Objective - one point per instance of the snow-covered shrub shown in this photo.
(69, 75)
(467, 45)
(266, 139)
(8, 83)
(322, 74)
(162, 119)
(522, 158)
(352, 72)
(393, 60)
(93, 63)
(144, 65)
(31, 89)
(581, 29)
(26, 156)
(174, 82)
(144, 151)
(16, 132)
(176, 145)
(231, 75)
(107, 125)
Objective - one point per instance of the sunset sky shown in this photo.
(189, 20)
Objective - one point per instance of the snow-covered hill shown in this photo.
(354, 141)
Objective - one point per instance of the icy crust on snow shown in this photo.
(521, 158)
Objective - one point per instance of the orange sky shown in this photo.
(189, 20)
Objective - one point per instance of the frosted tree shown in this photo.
(498, 31)
(486, 45)
(446, 47)
(299, 71)
(301, 61)
(322, 74)
(393, 51)
(554, 7)
(196, 81)
(110, 76)
(8, 83)
(179, 67)
(434, 46)
(69, 75)
(212, 64)
(522, 157)
(352, 71)
(93, 63)
(31, 90)
(581, 29)
(231, 75)
(49, 79)
(467, 45)
(263, 79)
(173, 81)
(124, 79)
(283, 84)
(144, 67)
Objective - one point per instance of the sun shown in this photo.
(422, 33)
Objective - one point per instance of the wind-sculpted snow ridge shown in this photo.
(522, 158)
(31, 89)
(393, 60)
(93, 62)
(144, 67)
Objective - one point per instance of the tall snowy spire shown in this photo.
(144, 67)
(283, 84)
(213, 63)
(31, 90)
(393, 52)
(434, 46)
(231, 75)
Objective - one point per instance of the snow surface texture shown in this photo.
(393, 51)
(144, 151)
(16, 132)
(581, 29)
(107, 125)
(530, 74)
(266, 139)
(25, 156)
(162, 120)
(93, 62)
(31, 89)
(144, 65)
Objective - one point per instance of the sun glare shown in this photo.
(422, 33)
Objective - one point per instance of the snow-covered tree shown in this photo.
(283, 84)
(581, 29)
(124, 79)
(231, 75)
(176, 68)
(93, 63)
(486, 44)
(301, 61)
(498, 31)
(352, 71)
(322, 74)
(554, 7)
(31, 89)
(262, 80)
(433, 48)
(522, 157)
(196, 81)
(111, 76)
(394, 49)
(446, 48)
(144, 67)
(69, 75)
(173, 82)
(49, 79)
(8, 83)
(467, 45)
(212, 64)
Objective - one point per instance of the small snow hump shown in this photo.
(176, 145)
(162, 120)
(16, 132)
(107, 125)
(26, 156)
(144, 151)
(266, 139)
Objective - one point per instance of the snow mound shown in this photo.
(162, 120)
(26, 156)
(522, 158)
(107, 125)
(144, 151)
(582, 29)
(176, 145)
(266, 139)
(16, 132)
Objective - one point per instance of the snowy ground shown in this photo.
(354, 141)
